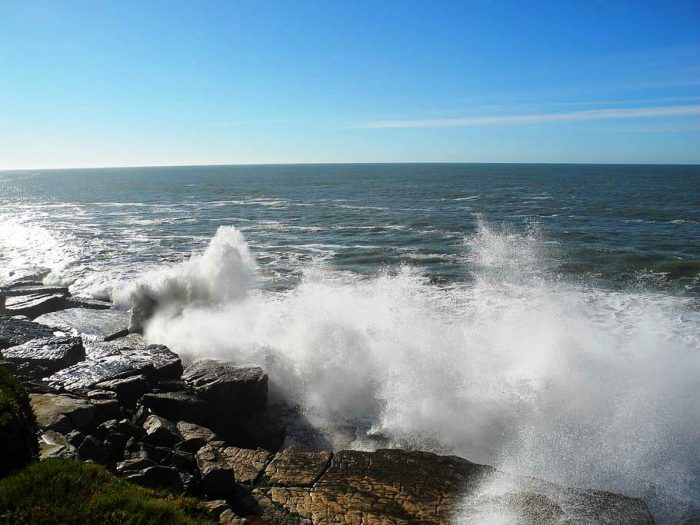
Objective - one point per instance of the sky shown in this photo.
(137, 83)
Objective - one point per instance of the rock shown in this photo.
(61, 412)
(50, 354)
(15, 332)
(101, 394)
(35, 303)
(228, 517)
(183, 461)
(55, 445)
(90, 304)
(94, 324)
(216, 507)
(75, 438)
(134, 465)
(128, 389)
(154, 361)
(105, 409)
(259, 430)
(216, 472)
(229, 390)
(177, 405)
(92, 449)
(194, 437)
(296, 468)
(160, 431)
(158, 477)
(244, 464)
(130, 429)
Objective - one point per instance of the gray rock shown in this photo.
(105, 409)
(216, 472)
(15, 332)
(177, 405)
(61, 412)
(132, 465)
(35, 304)
(194, 437)
(158, 477)
(92, 449)
(154, 361)
(160, 431)
(216, 507)
(96, 324)
(229, 390)
(128, 389)
(55, 445)
(48, 354)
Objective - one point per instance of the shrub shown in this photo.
(18, 442)
(67, 491)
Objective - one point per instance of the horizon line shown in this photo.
(251, 164)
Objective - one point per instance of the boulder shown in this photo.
(259, 430)
(216, 507)
(160, 432)
(243, 465)
(55, 445)
(158, 477)
(177, 405)
(194, 437)
(128, 389)
(229, 390)
(154, 362)
(215, 471)
(47, 354)
(132, 466)
(61, 412)
(105, 409)
(15, 332)
(93, 450)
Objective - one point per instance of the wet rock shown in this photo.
(160, 431)
(35, 303)
(154, 362)
(90, 304)
(61, 412)
(259, 430)
(228, 389)
(15, 332)
(215, 471)
(296, 468)
(158, 477)
(177, 405)
(101, 394)
(95, 324)
(48, 355)
(128, 389)
(92, 449)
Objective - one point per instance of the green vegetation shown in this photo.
(18, 443)
(66, 491)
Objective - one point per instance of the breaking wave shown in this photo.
(519, 368)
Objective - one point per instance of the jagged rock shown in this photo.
(194, 437)
(130, 429)
(62, 413)
(75, 438)
(296, 468)
(49, 354)
(160, 431)
(95, 324)
(105, 409)
(247, 465)
(15, 332)
(228, 389)
(154, 361)
(90, 304)
(101, 394)
(228, 517)
(177, 405)
(128, 389)
(215, 471)
(134, 465)
(92, 449)
(158, 477)
(259, 430)
(184, 461)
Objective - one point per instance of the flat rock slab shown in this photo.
(95, 324)
(15, 332)
(32, 299)
(154, 361)
(181, 406)
(296, 468)
(49, 354)
(60, 412)
(228, 389)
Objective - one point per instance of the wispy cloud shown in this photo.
(532, 118)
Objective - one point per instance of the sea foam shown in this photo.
(519, 368)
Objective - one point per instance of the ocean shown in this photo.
(542, 318)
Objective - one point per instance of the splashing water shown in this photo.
(519, 369)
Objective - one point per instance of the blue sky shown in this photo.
(128, 83)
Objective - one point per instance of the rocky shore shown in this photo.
(101, 393)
